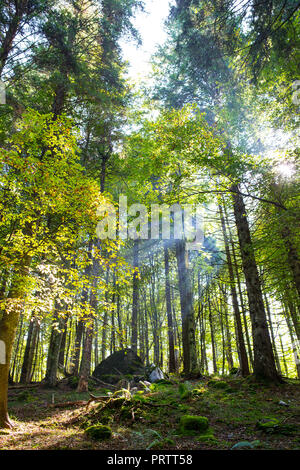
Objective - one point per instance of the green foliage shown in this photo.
(193, 425)
(99, 432)
(26, 396)
(185, 390)
(275, 426)
(218, 384)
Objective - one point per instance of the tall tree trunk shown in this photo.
(77, 347)
(120, 321)
(17, 350)
(294, 346)
(272, 334)
(61, 357)
(25, 371)
(8, 328)
(293, 258)
(295, 317)
(34, 352)
(135, 298)
(227, 329)
(237, 275)
(212, 335)
(283, 356)
(264, 362)
(54, 347)
(96, 345)
(190, 366)
(85, 365)
(113, 313)
(172, 365)
(105, 322)
(244, 365)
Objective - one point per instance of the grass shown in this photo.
(152, 420)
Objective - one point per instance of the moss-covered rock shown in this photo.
(218, 384)
(266, 424)
(124, 363)
(207, 436)
(274, 426)
(98, 432)
(193, 425)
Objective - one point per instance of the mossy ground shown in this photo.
(151, 420)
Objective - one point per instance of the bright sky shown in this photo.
(150, 27)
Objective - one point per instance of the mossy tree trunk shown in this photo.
(264, 362)
(244, 365)
(8, 328)
(172, 365)
(190, 365)
(135, 298)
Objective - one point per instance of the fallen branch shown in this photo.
(79, 402)
(20, 386)
(94, 398)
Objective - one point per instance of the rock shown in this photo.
(123, 364)
(282, 403)
(193, 425)
(98, 432)
(219, 384)
(245, 445)
(156, 374)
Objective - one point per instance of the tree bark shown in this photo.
(244, 365)
(264, 362)
(172, 365)
(54, 347)
(135, 298)
(190, 366)
(8, 327)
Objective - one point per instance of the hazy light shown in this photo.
(151, 28)
(285, 169)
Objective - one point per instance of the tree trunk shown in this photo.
(135, 298)
(272, 334)
(212, 334)
(172, 365)
(8, 328)
(25, 366)
(293, 258)
(244, 365)
(264, 362)
(190, 366)
(77, 347)
(54, 347)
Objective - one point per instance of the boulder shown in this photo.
(156, 374)
(121, 364)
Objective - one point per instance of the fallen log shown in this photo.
(20, 386)
(86, 403)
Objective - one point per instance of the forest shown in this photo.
(149, 228)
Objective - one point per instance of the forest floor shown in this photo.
(237, 409)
